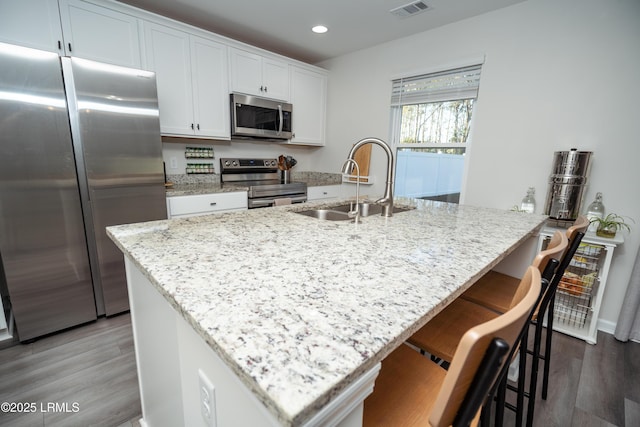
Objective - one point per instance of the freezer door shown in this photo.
(116, 135)
(115, 123)
(115, 206)
(42, 240)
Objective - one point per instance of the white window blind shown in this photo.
(460, 83)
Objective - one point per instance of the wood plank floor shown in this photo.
(94, 366)
(590, 385)
(91, 366)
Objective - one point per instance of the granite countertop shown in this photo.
(299, 308)
(184, 185)
(202, 188)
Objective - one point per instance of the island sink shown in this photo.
(341, 212)
(367, 209)
(326, 214)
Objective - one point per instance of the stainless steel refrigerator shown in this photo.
(80, 150)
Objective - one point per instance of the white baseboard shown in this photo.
(607, 326)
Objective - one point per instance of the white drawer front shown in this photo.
(324, 192)
(206, 203)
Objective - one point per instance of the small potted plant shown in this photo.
(610, 224)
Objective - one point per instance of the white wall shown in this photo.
(557, 75)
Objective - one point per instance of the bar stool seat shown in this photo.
(420, 380)
(441, 335)
(494, 290)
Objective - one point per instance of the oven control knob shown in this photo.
(273, 162)
(234, 163)
(226, 163)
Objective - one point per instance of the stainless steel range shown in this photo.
(262, 177)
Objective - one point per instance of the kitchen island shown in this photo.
(288, 316)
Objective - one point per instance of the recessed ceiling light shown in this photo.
(319, 29)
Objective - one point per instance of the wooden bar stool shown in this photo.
(412, 391)
(495, 288)
(548, 293)
(575, 233)
(537, 321)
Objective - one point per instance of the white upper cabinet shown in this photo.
(31, 23)
(101, 34)
(167, 53)
(195, 70)
(210, 88)
(309, 100)
(257, 75)
(275, 76)
(191, 74)
(72, 27)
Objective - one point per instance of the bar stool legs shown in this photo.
(522, 372)
(547, 348)
(518, 408)
(534, 371)
(501, 392)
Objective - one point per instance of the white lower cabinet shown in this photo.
(324, 192)
(204, 204)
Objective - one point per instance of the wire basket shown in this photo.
(577, 287)
(572, 310)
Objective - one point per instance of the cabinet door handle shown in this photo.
(265, 88)
(198, 126)
(261, 88)
(212, 204)
(191, 126)
(59, 45)
(69, 44)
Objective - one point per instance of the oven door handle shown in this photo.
(264, 203)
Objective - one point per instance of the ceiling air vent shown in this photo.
(410, 9)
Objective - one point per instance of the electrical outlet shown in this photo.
(173, 163)
(207, 399)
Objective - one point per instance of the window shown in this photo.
(431, 122)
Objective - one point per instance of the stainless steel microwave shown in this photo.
(255, 117)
